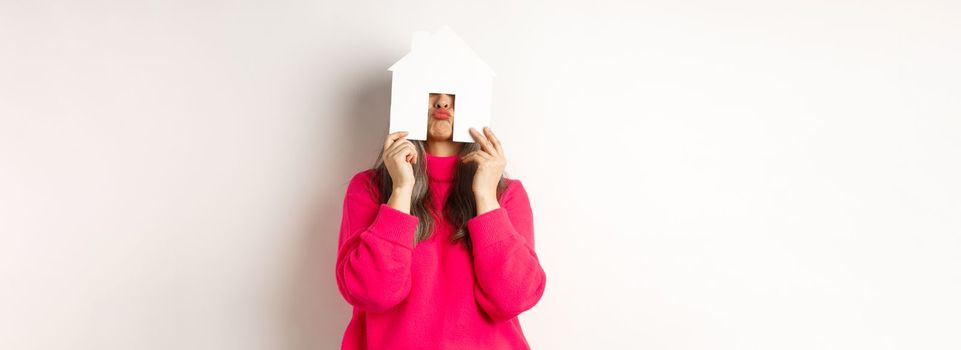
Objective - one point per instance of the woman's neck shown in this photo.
(443, 148)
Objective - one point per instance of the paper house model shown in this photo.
(440, 62)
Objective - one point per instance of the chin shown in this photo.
(440, 132)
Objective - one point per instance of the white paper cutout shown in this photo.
(440, 62)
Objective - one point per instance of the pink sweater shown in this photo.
(434, 295)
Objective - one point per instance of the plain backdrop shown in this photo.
(703, 175)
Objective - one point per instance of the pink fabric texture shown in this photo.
(437, 294)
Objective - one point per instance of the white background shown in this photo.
(703, 175)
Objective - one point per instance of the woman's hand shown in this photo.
(490, 161)
(399, 155)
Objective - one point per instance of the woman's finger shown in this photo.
(393, 137)
(402, 143)
(391, 151)
(482, 140)
(471, 157)
(496, 142)
(410, 151)
(413, 153)
(399, 147)
(485, 155)
(481, 156)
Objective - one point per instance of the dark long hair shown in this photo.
(460, 205)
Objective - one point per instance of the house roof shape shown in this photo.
(443, 47)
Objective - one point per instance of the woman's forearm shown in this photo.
(486, 202)
(400, 198)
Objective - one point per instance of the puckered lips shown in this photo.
(441, 113)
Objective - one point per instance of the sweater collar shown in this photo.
(441, 168)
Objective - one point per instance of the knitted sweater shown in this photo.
(436, 295)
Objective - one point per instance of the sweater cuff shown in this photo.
(395, 226)
(490, 227)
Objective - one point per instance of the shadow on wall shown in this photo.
(316, 312)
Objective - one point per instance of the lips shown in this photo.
(441, 114)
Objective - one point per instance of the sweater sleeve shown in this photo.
(375, 249)
(510, 279)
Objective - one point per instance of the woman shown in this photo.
(436, 247)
